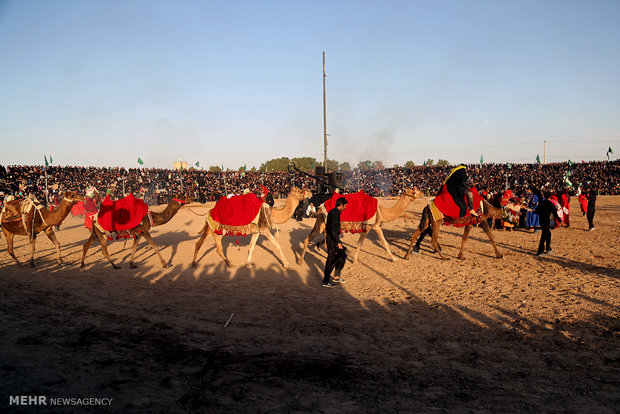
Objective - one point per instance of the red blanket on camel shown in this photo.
(360, 208)
(448, 207)
(123, 214)
(236, 212)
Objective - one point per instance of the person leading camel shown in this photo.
(545, 210)
(336, 252)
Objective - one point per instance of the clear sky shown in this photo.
(101, 83)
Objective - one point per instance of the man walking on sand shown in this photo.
(336, 254)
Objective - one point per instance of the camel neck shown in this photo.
(164, 216)
(391, 213)
(56, 216)
(282, 215)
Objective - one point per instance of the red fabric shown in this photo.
(90, 206)
(78, 209)
(123, 214)
(237, 210)
(448, 207)
(88, 220)
(583, 202)
(360, 206)
(264, 192)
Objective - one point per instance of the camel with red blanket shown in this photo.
(129, 217)
(247, 214)
(361, 215)
(442, 210)
(33, 218)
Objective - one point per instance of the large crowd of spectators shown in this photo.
(157, 186)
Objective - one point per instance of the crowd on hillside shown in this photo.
(157, 186)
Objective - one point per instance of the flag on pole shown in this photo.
(509, 166)
(481, 159)
(45, 158)
(197, 163)
(140, 161)
(50, 159)
(570, 164)
(538, 158)
(609, 151)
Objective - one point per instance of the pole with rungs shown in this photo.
(324, 120)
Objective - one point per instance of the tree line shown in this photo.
(309, 164)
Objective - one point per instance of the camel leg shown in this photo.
(220, 250)
(318, 226)
(33, 240)
(414, 238)
(463, 241)
(149, 239)
(360, 241)
(205, 232)
(384, 242)
(252, 245)
(436, 229)
(104, 247)
(273, 240)
(134, 248)
(9, 245)
(86, 246)
(50, 235)
(487, 230)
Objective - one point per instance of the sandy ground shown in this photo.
(518, 334)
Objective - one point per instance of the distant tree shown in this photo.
(442, 163)
(332, 165)
(378, 165)
(364, 165)
(278, 164)
(215, 168)
(409, 164)
(345, 166)
(305, 163)
(428, 162)
(396, 166)
(253, 169)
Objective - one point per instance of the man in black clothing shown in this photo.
(336, 254)
(545, 210)
(591, 208)
(457, 185)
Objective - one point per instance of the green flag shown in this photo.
(50, 159)
(197, 163)
(509, 166)
(244, 167)
(538, 158)
(45, 158)
(481, 159)
(570, 164)
(140, 161)
(609, 151)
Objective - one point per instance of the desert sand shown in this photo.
(518, 334)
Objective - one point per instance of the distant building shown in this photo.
(180, 165)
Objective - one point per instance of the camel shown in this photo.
(488, 212)
(31, 221)
(384, 214)
(151, 219)
(267, 217)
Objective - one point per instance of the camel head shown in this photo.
(73, 197)
(413, 193)
(300, 193)
(183, 198)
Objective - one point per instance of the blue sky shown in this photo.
(240, 82)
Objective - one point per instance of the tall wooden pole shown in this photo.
(324, 120)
